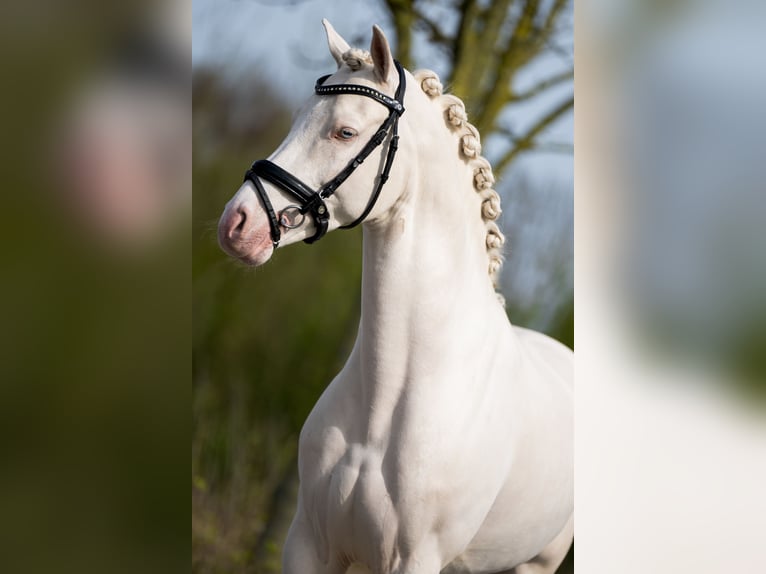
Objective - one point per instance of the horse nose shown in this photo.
(234, 227)
(236, 223)
(239, 221)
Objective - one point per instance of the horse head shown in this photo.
(317, 180)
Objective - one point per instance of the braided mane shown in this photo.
(483, 180)
(355, 58)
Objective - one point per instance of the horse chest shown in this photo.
(356, 481)
(376, 499)
(372, 509)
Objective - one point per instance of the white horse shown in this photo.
(445, 443)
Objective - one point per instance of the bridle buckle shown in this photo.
(288, 212)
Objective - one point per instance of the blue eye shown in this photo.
(346, 133)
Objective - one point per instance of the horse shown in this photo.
(445, 442)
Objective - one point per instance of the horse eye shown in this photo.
(347, 133)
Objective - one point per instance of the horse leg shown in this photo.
(551, 556)
(299, 554)
(426, 560)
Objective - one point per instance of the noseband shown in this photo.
(312, 202)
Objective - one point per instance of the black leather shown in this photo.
(266, 203)
(284, 179)
(392, 147)
(312, 202)
(337, 89)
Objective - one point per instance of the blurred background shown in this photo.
(262, 351)
(95, 292)
(670, 368)
(95, 206)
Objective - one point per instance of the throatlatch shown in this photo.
(312, 202)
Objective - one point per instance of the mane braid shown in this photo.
(483, 179)
(356, 58)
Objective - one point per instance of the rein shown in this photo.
(312, 202)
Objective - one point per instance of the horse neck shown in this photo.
(427, 301)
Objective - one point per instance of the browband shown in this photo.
(335, 89)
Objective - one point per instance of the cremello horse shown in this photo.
(445, 443)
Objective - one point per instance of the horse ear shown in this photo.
(338, 46)
(381, 56)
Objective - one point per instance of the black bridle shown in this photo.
(312, 202)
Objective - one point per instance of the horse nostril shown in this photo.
(238, 221)
(242, 219)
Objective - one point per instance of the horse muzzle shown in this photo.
(243, 233)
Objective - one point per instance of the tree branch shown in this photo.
(486, 61)
(464, 47)
(404, 17)
(545, 32)
(527, 141)
(525, 27)
(555, 147)
(550, 20)
(487, 52)
(543, 85)
(435, 34)
(563, 52)
(498, 93)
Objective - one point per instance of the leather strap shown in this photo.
(266, 203)
(312, 202)
(336, 89)
(284, 179)
(329, 188)
(392, 147)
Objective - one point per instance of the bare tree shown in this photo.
(488, 45)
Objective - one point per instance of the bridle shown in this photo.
(312, 202)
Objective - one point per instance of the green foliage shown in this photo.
(266, 342)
